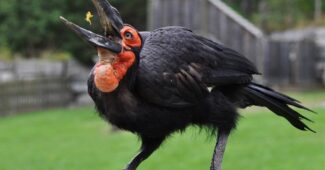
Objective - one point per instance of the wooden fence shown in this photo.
(30, 85)
(292, 63)
(29, 95)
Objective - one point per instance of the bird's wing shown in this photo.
(177, 67)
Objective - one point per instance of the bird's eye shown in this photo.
(128, 35)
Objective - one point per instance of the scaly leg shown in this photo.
(149, 145)
(219, 149)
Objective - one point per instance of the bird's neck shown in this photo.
(130, 76)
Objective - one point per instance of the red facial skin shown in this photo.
(108, 74)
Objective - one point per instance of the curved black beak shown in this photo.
(92, 38)
(111, 22)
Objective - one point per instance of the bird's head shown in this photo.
(118, 49)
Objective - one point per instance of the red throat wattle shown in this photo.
(111, 68)
(108, 74)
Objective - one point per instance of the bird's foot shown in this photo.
(128, 167)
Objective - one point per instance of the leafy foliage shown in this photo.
(32, 26)
(274, 15)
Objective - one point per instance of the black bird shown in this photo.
(156, 83)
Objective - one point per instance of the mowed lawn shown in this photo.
(77, 139)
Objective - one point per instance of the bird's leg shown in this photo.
(219, 149)
(149, 145)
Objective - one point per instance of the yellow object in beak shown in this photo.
(89, 15)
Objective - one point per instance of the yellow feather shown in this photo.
(89, 15)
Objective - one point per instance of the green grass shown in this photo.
(76, 139)
(309, 97)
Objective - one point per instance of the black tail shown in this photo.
(277, 103)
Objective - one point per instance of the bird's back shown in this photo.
(174, 62)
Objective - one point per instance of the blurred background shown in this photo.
(47, 120)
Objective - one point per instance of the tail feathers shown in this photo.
(277, 103)
(279, 96)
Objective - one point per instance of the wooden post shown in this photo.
(204, 17)
(318, 9)
(153, 14)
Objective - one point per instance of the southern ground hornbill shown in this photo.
(157, 83)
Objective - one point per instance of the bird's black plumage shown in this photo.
(174, 61)
(183, 79)
(156, 83)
